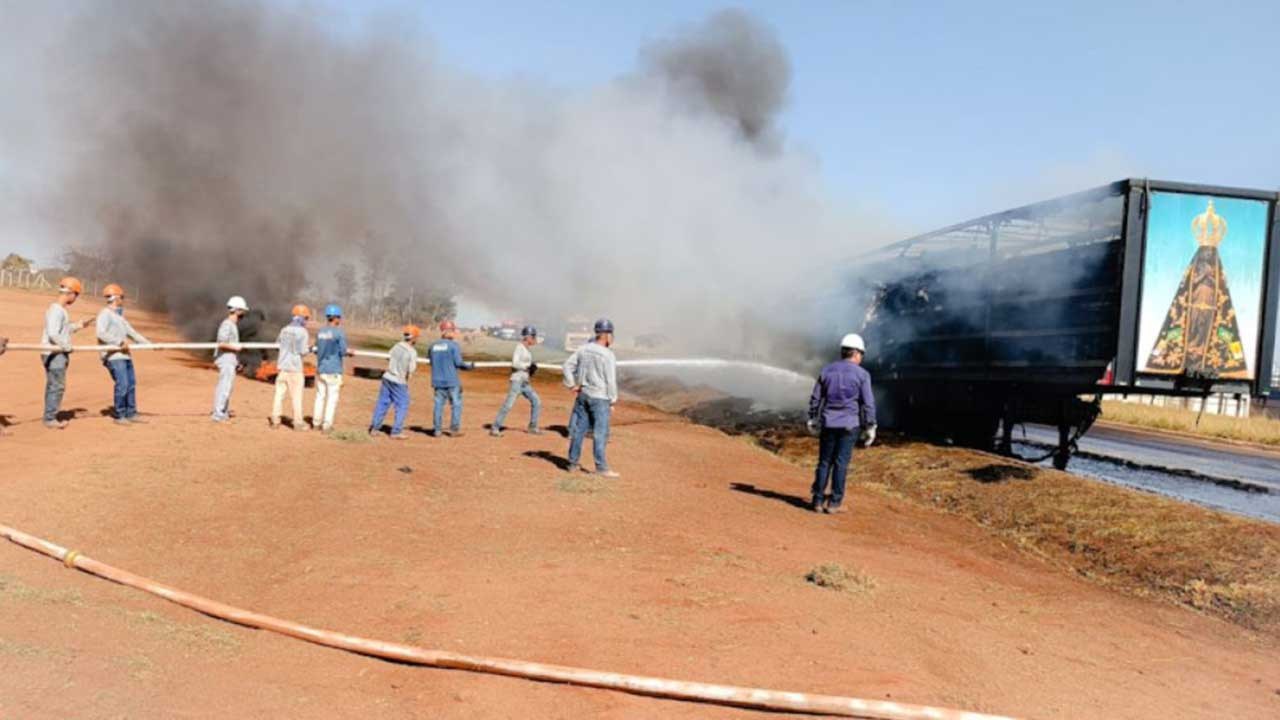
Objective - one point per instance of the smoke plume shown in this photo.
(238, 147)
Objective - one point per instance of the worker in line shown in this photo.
(841, 408)
(57, 331)
(331, 349)
(592, 373)
(446, 360)
(401, 365)
(523, 369)
(114, 329)
(225, 357)
(294, 342)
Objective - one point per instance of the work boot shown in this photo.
(456, 433)
(301, 427)
(607, 473)
(816, 505)
(374, 432)
(122, 421)
(399, 436)
(533, 430)
(56, 424)
(436, 433)
(838, 509)
(136, 420)
(572, 468)
(495, 431)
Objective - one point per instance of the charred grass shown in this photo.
(1137, 543)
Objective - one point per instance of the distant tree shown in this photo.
(345, 277)
(16, 263)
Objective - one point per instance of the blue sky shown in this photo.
(938, 111)
(935, 111)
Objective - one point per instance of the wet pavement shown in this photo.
(1236, 478)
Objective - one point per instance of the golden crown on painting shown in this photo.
(1209, 227)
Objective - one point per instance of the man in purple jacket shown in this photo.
(842, 406)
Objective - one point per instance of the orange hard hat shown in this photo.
(447, 325)
(301, 310)
(113, 289)
(412, 331)
(71, 284)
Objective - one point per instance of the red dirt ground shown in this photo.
(484, 546)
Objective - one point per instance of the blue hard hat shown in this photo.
(604, 325)
(528, 331)
(332, 310)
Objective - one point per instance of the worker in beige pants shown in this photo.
(294, 343)
(331, 348)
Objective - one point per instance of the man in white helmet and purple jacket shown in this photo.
(843, 408)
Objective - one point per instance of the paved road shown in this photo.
(1116, 445)
(1214, 459)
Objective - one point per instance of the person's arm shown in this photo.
(134, 334)
(105, 336)
(570, 371)
(815, 406)
(611, 378)
(456, 350)
(868, 400)
(521, 359)
(225, 341)
(342, 346)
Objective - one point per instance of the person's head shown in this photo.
(604, 332)
(852, 348)
(410, 333)
(333, 314)
(301, 314)
(69, 290)
(114, 295)
(529, 335)
(237, 307)
(448, 330)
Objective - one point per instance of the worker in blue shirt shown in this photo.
(843, 409)
(331, 349)
(446, 360)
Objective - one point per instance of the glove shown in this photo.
(533, 369)
(868, 435)
(812, 426)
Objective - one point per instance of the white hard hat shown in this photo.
(237, 303)
(854, 341)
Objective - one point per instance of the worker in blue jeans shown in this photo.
(843, 409)
(402, 361)
(592, 373)
(446, 361)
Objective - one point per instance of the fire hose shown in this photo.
(36, 347)
(755, 698)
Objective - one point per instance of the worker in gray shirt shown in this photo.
(522, 369)
(226, 359)
(401, 364)
(294, 342)
(592, 373)
(57, 332)
(114, 329)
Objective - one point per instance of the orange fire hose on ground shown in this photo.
(656, 687)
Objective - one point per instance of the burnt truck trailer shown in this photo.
(1031, 315)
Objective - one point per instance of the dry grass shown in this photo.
(1135, 542)
(1260, 430)
(835, 577)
